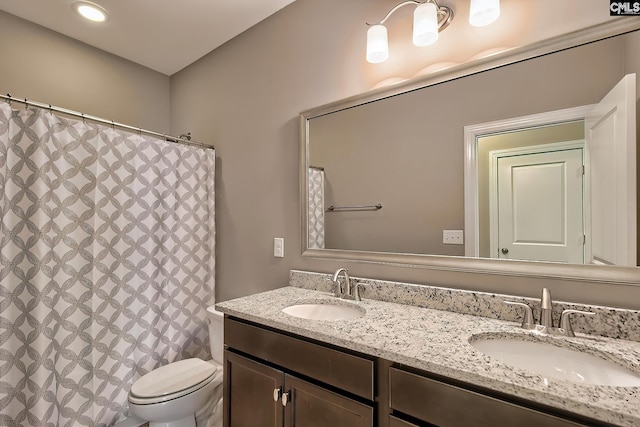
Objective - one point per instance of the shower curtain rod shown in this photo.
(169, 138)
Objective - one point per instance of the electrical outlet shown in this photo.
(278, 247)
(453, 237)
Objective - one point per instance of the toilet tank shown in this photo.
(216, 333)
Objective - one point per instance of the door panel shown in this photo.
(312, 406)
(396, 422)
(250, 388)
(540, 202)
(610, 137)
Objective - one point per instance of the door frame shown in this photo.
(471, 135)
(494, 155)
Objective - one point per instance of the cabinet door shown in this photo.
(249, 393)
(312, 406)
(397, 422)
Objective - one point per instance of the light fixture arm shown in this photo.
(445, 14)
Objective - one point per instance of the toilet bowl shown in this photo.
(171, 395)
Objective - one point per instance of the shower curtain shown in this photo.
(316, 208)
(106, 264)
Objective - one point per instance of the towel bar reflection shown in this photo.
(355, 208)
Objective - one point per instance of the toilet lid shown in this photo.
(173, 378)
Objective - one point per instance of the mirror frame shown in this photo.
(577, 272)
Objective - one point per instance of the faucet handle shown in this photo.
(337, 287)
(565, 321)
(356, 290)
(527, 321)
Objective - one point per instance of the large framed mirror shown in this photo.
(395, 175)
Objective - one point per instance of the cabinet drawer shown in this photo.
(351, 373)
(446, 405)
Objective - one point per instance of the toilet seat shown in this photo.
(174, 380)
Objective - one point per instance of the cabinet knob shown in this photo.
(285, 399)
(276, 394)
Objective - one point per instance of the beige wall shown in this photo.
(245, 97)
(48, 67)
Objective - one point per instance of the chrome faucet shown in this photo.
(340, 292)
(546, 309)
(546, 319)
(348, 292)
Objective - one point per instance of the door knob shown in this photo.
(504, 251)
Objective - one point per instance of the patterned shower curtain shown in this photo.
(106, 264)
(316, 208)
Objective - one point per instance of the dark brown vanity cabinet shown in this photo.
(273, 380)
(420, 400)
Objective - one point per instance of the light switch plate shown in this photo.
(278, 247)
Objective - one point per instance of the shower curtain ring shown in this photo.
(50, 109)
(82, 115)
(113, 125)
(10, 99)
(26, 104)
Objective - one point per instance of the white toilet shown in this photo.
(171, 395)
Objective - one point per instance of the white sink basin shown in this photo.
(323, 311)
(556, 362)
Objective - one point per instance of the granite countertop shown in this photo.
(438, 341)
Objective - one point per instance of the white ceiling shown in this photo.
(164, 35)
(168, 35)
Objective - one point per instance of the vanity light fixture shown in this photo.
(90, 11)
(483, 12)
(429, 18)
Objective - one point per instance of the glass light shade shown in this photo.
(377, 44)
(425, 24)
(484, 12)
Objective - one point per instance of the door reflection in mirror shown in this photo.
(558, 206)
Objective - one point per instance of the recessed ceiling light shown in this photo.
(90, 11)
